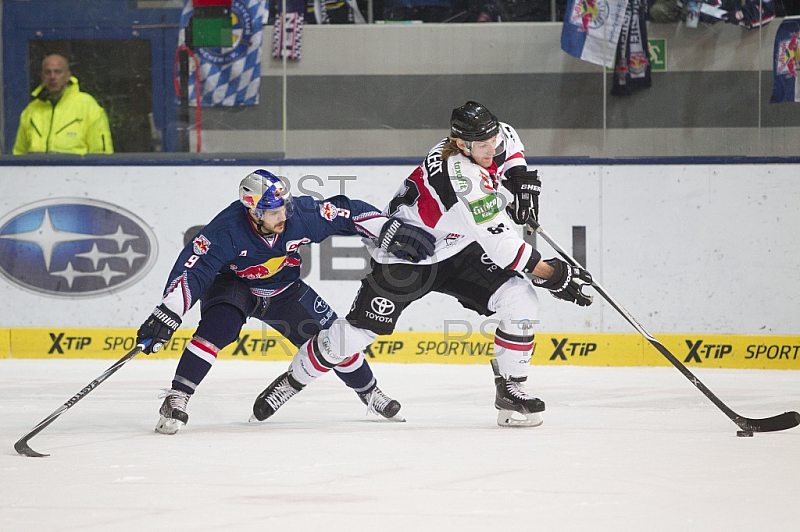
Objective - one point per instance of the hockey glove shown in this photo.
(567, 282)
(525, 186)
(405, 241)
(159, 328)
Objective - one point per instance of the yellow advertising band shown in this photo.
(696, 350)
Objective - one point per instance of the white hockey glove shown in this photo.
(159, 328)
(405, 241)
(566, 283)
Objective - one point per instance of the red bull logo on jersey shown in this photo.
(200, 245)
(589, 14)
(328, 211)
(788, 56)
(267, 269)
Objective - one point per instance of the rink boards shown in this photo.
(600, 349)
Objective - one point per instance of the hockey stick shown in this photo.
(783, 421)
(22, 445)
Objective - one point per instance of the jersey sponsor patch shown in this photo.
(200, 245)
(460, 183)
(266, 269)
(294, 245)
(328, 211)
(484, 209)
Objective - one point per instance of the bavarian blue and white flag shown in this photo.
(591, 29)
(787, 62)
(229, 76)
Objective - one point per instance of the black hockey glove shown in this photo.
(159, 328)
(525, 186)
(406, 241)
(567, 282)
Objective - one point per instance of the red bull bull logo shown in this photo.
(250, 201)
(788, 56)
(638, 63)
(328, 211)
(589, 14)
(267, 269)
(200, 245)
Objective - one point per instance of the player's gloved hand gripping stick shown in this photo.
(783, 421)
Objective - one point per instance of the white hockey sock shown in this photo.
(330, 348)
(513, 353)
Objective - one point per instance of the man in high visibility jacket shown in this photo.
(61, 118)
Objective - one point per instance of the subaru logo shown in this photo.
(72, 247)
(382, 306)
(320, 305)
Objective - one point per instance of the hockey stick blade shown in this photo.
(22, 447)
(784, 421)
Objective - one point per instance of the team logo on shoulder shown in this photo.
(200, 245)
(328, 211)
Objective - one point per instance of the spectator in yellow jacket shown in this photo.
(61, 118)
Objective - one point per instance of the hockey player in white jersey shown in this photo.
(479, 259)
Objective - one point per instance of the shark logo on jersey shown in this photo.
(72, 247)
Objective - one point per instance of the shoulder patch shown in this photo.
(328, 210)
(200, 245)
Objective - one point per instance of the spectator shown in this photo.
(61, 118)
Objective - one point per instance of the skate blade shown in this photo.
(168, 425)
(253, 419)
(509, 418)
(397, 418)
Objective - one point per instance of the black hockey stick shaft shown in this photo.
(22, 446)
(783, 421)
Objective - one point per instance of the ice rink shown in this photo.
(621, 449)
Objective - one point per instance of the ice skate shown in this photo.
(378, 403)
(515, 407)
(173, 412)
(274, 396)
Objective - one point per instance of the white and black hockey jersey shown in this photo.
(457, 201)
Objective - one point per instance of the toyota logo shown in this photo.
(382, 306)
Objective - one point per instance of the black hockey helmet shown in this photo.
(472, 121)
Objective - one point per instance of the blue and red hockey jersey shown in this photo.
(231, 245)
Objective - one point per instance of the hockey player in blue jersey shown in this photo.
(245, 263)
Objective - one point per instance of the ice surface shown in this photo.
(621, 449)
